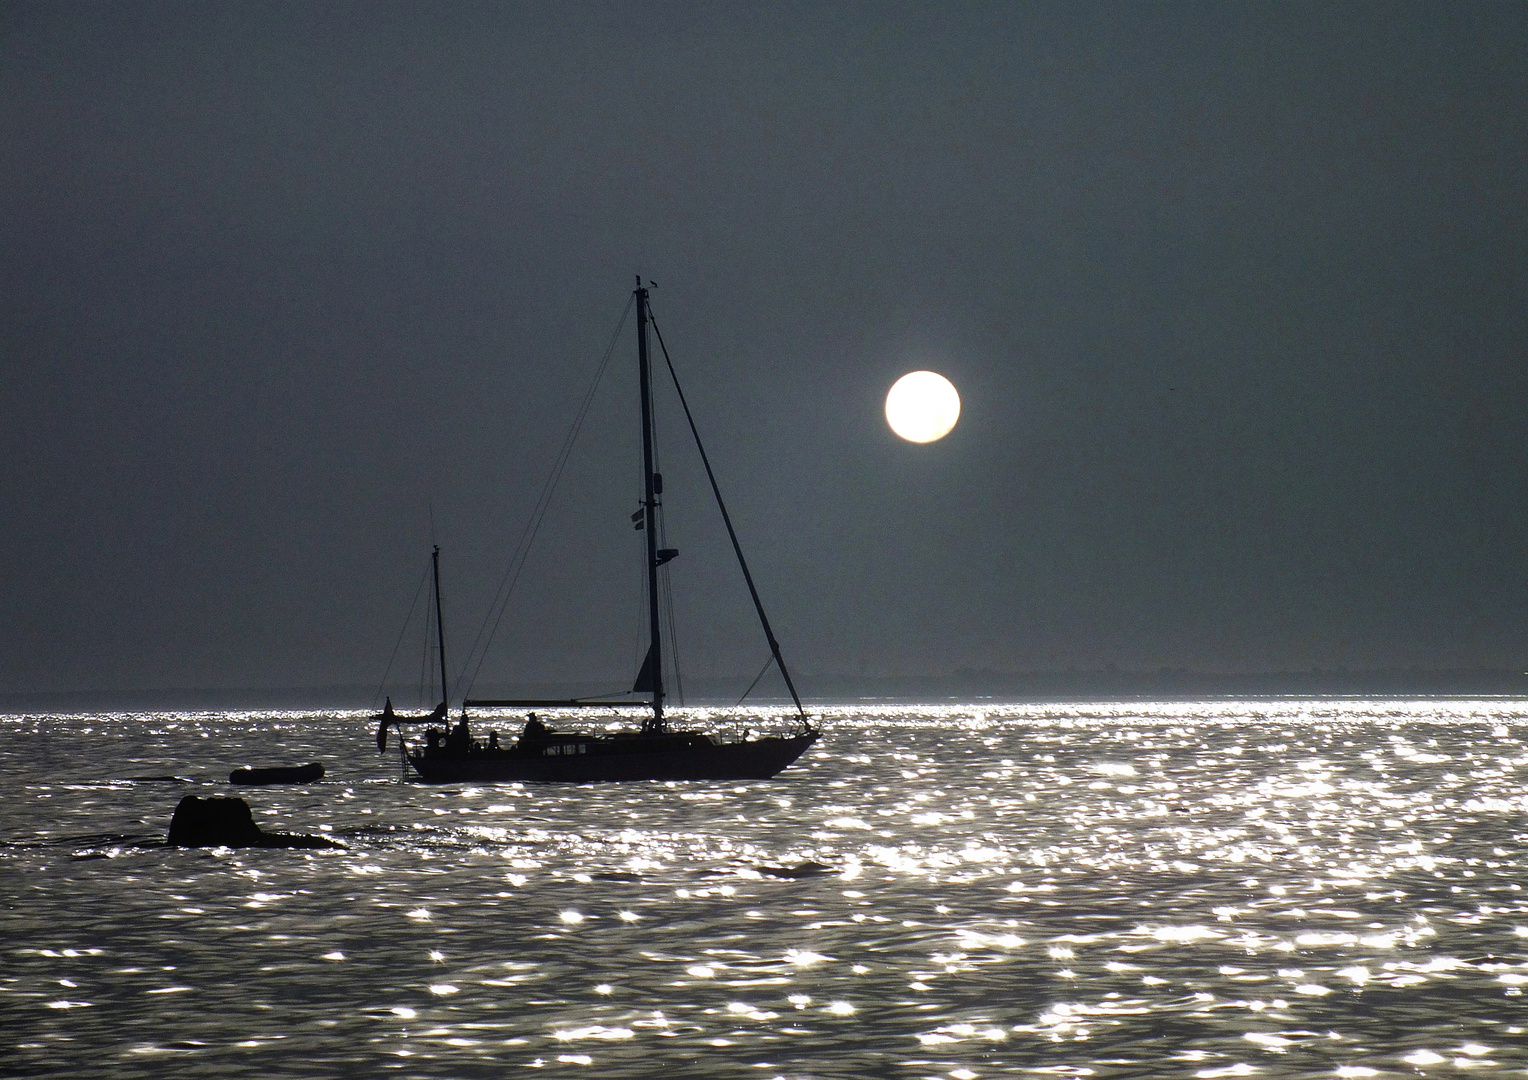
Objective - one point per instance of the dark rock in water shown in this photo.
(213, 823)
(221, 822)
(806, 869)
(284, 774)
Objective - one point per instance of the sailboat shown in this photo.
(656, 751)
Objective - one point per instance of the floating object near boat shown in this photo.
(283, 774)
(806, 869)
(227, 822)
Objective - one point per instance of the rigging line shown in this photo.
(522, 549)
(758, 605)
(424, 661)
(399, 643)
(639, 653)
(673, 632)
(756, 679)
(666, 581)
(445, 694)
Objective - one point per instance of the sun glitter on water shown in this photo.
(1216, 888)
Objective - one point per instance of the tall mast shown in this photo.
(440, 630)
(652, 487)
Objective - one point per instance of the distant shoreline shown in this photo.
(962, 686)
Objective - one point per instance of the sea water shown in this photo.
(1211, 889)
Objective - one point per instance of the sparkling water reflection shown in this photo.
(1208, 890)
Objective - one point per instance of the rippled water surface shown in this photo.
(1288, 888)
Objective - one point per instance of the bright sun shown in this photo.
(922, 406)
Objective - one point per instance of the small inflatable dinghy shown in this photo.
(284, 774)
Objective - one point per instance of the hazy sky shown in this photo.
(1235, 296)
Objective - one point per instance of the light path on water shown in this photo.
(1274, 888)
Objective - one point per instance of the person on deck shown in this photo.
(535, 731)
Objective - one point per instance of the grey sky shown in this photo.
(1235, 296)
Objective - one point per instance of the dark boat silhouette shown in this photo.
(655, 752)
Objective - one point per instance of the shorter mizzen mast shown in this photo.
(440, 632)
(387, 717)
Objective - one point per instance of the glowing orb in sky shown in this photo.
(922, 406)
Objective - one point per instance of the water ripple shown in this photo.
(1266, 888)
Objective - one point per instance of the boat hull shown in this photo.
(755, 759)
